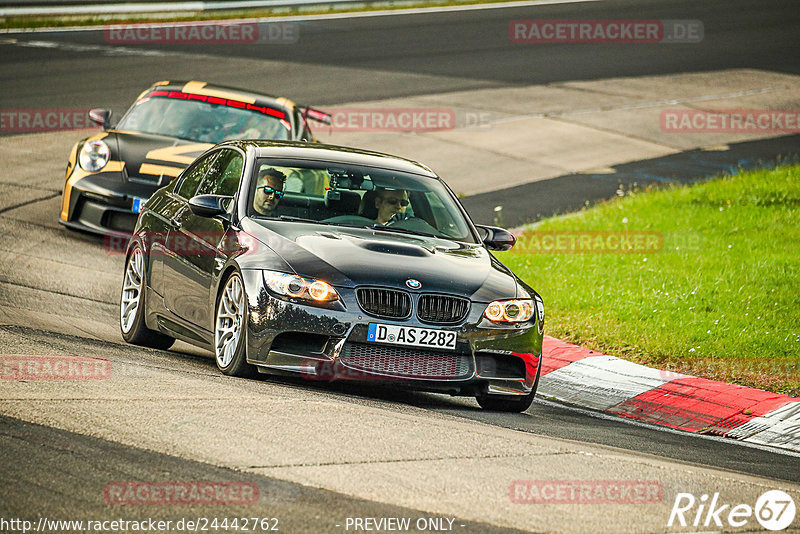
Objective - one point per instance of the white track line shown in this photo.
(302, 18)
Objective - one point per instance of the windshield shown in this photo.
(202, 121)
(356, 196)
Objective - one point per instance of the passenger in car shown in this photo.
(269, 190)
(391, 203)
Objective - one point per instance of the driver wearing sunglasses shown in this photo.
(390, 203)
(269, 190)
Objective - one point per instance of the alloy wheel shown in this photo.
(230, 319)
(131, 290)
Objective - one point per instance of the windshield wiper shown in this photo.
(345, 225)
(299, 219)
(288, 218)
(399, 230)
(292, 218)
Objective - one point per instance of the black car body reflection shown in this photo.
(318, 288)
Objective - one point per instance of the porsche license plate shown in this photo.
(412, 336)
(137, 204)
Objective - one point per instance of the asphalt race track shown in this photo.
(357, 59)
(319, 453)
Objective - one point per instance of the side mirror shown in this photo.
(496, 238)
(209, 205)
(101, 117)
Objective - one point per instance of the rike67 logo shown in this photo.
(774, 510)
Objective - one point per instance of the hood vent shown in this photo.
(395, 248)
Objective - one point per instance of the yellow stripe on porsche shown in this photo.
(159, 170)
(151, 88)
(175, 154)
(77, 174)
(285, 102)
(199, 88)
(73, 156)
(113, 166)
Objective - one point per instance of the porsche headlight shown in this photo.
(94, 156)
(298, 287)
(509, 311)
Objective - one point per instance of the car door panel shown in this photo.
(176, 244)
(199, 247)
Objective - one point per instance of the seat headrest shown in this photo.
(342, 201)
(367, 208)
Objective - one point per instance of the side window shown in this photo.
(195, 175)
(224, 175)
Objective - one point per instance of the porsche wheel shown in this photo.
(132, 308)
(230, 328)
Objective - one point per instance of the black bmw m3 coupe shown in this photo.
(331, 263)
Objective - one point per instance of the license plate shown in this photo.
(138, 203)
(412, 336)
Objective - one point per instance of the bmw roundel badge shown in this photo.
(413, 284)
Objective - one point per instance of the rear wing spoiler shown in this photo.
(316, 115)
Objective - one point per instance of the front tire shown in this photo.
(230, 326)
(501, 403)
(132, 306)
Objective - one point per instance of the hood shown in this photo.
(349, 257)
(155, 158)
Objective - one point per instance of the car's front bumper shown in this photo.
(103, 202)
(331, 344)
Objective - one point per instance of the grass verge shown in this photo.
(709, 284)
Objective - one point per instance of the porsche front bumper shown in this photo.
(104, 202)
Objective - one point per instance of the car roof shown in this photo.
(331, 153)
(232, 93)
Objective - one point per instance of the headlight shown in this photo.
(94, 156)
(298, 287)
(509, 311)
